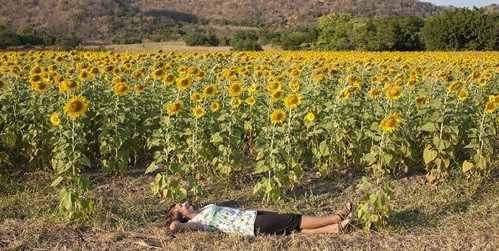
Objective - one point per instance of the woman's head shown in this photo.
(179, 212)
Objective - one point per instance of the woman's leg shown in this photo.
(312, 222)
(329, 229)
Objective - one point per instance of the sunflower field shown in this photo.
(271, 117)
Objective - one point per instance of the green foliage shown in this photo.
(340, 31)
(334, 30)
(295, 40)
(201, 39)
(245, 41)
(462, 29)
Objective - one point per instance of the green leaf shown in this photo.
(429, 155)
(152, 167)
(324, 148)
(467, 166)
(9, 138)
(440, 144)
(369, 158)
(215, 138)
(56, 181)
(261, 167)
(428, 127)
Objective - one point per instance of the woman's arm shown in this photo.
(176, 226)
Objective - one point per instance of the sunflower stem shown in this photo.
(480, 141)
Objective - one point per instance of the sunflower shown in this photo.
(412, 82)
(196, 97)
(35, 78)
(69, 85)
(54, 119)
(181, 69)
(463, 95)
(294, 73)
(40, 87)
(235, 89)
(121, 88)
(209, 91)
(136, 74)
(198, 111)
(309, 117)
(384, 79)
(494, 98)
(456, 86)
(139, 88)
(58, 79)
(109, 68)
(394, 92)
(94, 71)
(168, 79)
(374, 93)
(158, 65)
(76, 107)
(184, 83)
(476, 75)
(277, 116)
(277, 95)
(235, 102)
(318, 79)
(200, 74)
(389, 123)
(84, 75)
(345, 93)
(52, 68)
(215, 106)
(292, 100)
(158, 74)
(273, 86)
(420, 101)
(250, 101)
(482, 82)
(491, 106)
(294, 85)
(174, 108)
(36, 70)
(253, 88)
(192, 70)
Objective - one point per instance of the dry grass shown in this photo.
(457, 215)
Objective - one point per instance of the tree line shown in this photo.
(458, 29)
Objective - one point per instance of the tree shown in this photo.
(295, 40)
(335, 31)
(462, 29)
(245, 41)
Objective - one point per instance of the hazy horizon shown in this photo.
(463, 3)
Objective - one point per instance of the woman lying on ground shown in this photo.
(182, 216)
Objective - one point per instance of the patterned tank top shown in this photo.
(226, 219)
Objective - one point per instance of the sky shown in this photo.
(463, 3)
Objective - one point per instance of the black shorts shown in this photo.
(275, 223)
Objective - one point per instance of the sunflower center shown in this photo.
(394, 92)
(76, 106)
(390, 122)
(71, 84)
(122, 88)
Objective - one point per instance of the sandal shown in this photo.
(346, 228)
(345, 211)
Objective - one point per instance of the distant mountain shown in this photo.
(284, 12)
(108, 20)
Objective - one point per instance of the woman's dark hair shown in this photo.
(174, 215)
